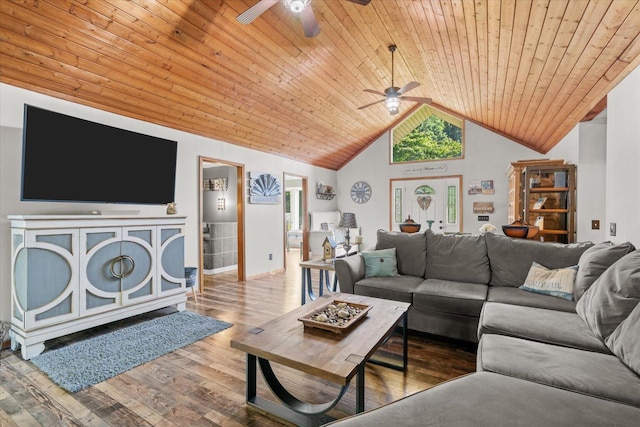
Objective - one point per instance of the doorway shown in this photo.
(296, 222)
(221, 218)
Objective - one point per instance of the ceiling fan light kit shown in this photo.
(296, 6)
(300, 7)
(393, 94)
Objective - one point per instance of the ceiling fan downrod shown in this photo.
(392, 48)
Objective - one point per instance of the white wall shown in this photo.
(264, 224)
(487, 157)
(591, 179)
(623, 159)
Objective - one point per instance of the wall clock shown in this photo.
(360, 192)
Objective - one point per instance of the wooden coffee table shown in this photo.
(328, 355)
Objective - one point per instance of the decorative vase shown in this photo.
(409, 226)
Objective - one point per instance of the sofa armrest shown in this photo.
(348, 271)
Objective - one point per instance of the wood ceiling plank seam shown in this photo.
(276, 107)
(579, 41)
(597, 57)
(413, 53)
(439, 66)
(449, 88)
(507, 21)
(494, 14)
(340, 21)
(424, 55)
(470, 24)
(101, 97)
(532, 37)
(520, 23)
(559, 50)
(465, 67)
(482, 18)
(526, 113)
(395, 27)
(454, 63)
(586, 88)
(285, 114)
(101, 52)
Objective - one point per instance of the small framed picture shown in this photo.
(324, 226)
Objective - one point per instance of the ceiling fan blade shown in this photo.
(417, 99)
(254, 11)
(377, 92)
(369, 105)
(309, 22)
(362, 2)
(408, 87)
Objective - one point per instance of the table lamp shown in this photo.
(348, 221)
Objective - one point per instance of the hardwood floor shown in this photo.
(203, 384)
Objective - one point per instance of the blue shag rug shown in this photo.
(85, 363)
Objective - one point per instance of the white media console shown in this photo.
(74, 272)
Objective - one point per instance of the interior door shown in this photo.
(434, 203)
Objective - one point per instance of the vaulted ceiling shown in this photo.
(529, 70)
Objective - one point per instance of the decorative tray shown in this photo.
(335, 316)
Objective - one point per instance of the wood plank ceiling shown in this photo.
(527, 69)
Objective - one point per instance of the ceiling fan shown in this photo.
(393, 94)
(300, 7)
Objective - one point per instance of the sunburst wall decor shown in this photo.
(264, 188)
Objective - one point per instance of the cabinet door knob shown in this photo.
(119, 260)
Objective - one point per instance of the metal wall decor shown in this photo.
(264, 188)
(215, 184)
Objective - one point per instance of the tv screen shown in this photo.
(74, 160)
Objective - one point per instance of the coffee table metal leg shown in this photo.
(251, 378)
(405, 348)
(360, 389)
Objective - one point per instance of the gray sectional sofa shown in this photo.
(542, 359)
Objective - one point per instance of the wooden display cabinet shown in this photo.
(549, 201)
(551, 180)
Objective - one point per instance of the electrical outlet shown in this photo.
(612, 229)
(595, 224)
(270, 257)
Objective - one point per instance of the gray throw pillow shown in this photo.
(411, 250)
(624, 342)
(459, 258)
(594, 261)
(511, 258)
(612, 297)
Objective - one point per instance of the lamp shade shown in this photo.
(348, 220)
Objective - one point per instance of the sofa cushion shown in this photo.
(398, 288)
(461, 258)
(517, 296)
(624, 342)
(450, 297)
(485, 399)
(613, 296)
(380, 263)
(588, 372)
(594, 261)
(538, 324)
(557, 282)
(411, 250)
(511, 259)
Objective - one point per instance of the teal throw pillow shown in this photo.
(380, 263)
(557, 282)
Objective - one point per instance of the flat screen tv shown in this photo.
(67, 159)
